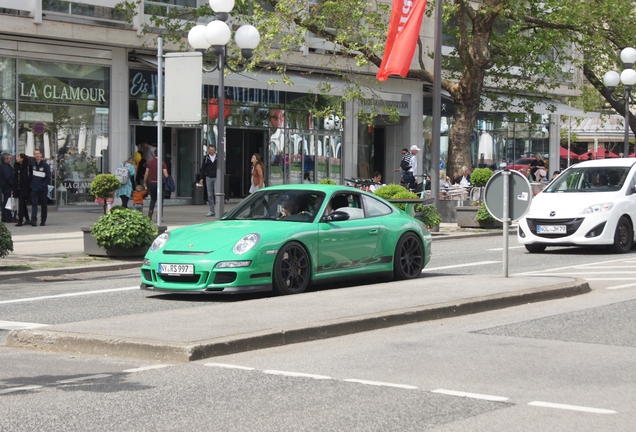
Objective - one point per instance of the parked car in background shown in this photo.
(590, 203)
(522, 165)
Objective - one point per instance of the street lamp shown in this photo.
(216, 35)
(628, 77)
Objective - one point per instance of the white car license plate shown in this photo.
(551, 229)
(180, 269)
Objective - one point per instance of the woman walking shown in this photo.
(127, 181)
(22, 191)
(258, 178)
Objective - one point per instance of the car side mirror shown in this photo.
(336, 216)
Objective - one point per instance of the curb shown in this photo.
(179, 352)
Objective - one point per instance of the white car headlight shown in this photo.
(598, 208)
(246, 243)
(160, 241)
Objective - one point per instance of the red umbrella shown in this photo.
(564, 154)
(600, 154)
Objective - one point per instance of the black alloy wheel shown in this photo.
(623, 237)
(409, 257)
(291, 269)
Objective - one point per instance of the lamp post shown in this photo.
(611, 80)
(216, 35)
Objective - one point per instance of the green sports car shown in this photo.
(284, 238)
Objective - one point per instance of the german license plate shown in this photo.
(551, 229)
(176, 269)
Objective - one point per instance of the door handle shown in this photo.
(373, 232)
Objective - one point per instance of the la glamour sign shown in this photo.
(63, 93)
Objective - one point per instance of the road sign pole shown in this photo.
(506, 218)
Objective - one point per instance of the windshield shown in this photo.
(281, 205)
(591, 179)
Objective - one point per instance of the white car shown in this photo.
(590, 203)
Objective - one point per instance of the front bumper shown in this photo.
(580, 230)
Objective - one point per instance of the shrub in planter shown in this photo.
(480, 176)
(327, 181)
(104, 187)
(431, 217)
(483, 215)
(124, 228)
(6, 243)
(388, 191)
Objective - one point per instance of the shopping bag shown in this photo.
(12, 204)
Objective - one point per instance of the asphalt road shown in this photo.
(561, 365)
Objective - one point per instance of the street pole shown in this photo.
(628, 91)
(220, 170)
(506, 215)
(159, 129)
(437, 104)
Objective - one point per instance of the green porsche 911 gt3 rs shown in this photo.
(284, 238)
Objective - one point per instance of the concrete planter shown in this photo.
(91, 247)
(466, 218)
(447, 209)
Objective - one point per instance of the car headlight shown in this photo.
(598, 208)
(160, 241)
(246, 243)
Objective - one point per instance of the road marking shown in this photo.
(471, 395)
(82, 293)
(572, 407)
(15, 389)
(621, 286)
(85, 378)
(145, 368)
(461, 265)
(582, 273)
(227, 366)
(296, 374)
(571, 267)
(383, 384)
(15, 325)
(510, 247)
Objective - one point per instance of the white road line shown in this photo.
(583, 273)
(296, 374)
(145, 368)
(227, 366)
(621, 286)
(75, 294)
(16, 325)
(427, 269)
(585, 266)
(15, 389)
(471, 395)
(572, 407)
(510, 247)
(382, 384)
(85, 378)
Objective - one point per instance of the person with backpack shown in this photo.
(408, 167)
(125, 173)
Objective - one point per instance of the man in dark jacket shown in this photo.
(6, 185)
(22, 187)
(208, 173)
(40, 181)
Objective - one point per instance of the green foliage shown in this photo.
(6, 243)
(104, 187)
(125, 228)
(327, 181)
(483, 215)
(431, 217)
(480, 176)
(389, 190)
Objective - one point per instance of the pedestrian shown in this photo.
(537, 164)
(138, 198)
(208, 174)
(22, 189)
(6, 185)
(405, 151)
(40, 181)
(125, 173)
(464, 179)
(151, 178)
(140, 168)
(258, 173)
(377, 181)
(408, 165)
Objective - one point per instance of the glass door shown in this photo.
(189, 154)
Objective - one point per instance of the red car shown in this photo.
(522, 165)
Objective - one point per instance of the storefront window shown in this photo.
(64, 112)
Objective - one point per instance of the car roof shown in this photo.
(610, 162)
(311, 187)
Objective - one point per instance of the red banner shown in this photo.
(404, 30)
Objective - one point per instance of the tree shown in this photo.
(500, 47)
